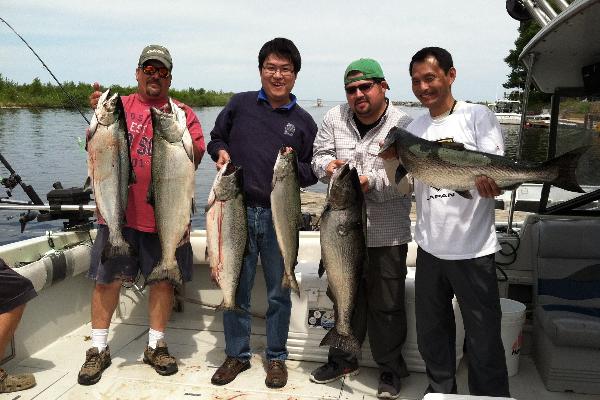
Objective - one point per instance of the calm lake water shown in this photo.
(44, 146)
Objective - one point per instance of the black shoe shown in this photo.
(331, 371)
(389, 386)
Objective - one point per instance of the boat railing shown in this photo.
(543, 11)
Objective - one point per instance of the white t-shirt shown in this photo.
(448, 225)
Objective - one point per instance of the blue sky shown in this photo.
(215, 44)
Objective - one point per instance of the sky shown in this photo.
(215, 44)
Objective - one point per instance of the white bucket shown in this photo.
(513, 317)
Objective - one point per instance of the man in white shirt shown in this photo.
(457, 240)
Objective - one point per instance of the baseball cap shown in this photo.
(156, 52)
(370, 69)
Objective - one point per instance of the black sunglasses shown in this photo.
(150, 70)
(364, 87)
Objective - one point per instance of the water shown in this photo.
(43, 146)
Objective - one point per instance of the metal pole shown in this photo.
(513, 196)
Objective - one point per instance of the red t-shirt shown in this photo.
(139, 214)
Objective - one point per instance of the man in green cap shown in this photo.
(351, 133)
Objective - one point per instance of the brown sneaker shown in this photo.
(276, 374)
(229, 370)
(14, 383)
(160, 359)
(95, 362)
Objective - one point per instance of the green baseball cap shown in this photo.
(370, 69)
(156, 52)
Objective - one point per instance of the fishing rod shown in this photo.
(48, 69)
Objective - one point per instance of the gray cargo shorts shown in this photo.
(147, 253)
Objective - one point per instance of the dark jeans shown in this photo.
(473, 281)
(261, 240)
(380, 310)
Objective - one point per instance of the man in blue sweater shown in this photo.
(249, 131)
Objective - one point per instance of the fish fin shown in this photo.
(321, 269)
(162, 272)
(132, 177)
(150, 195)
(88, 184)
(400, 173)
(290, 282)
(347, 343)
(465, 193)
(451, 145)
(567, 168)
(111, 251)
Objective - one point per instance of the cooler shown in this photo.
(312, 315)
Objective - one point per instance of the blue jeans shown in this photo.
(261, 240)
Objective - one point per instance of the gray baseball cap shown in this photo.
(156, 52)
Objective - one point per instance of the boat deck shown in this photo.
(199, 353)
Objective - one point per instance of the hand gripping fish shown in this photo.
(109, 170)
(453, 167)
(226, 231)
(171, 190)
(343, 252)
(287, 214)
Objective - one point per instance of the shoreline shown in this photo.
(313, 203)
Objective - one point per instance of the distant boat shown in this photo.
(508, 112)
(319, 103)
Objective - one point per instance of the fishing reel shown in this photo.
(76, 219)
(10, 183)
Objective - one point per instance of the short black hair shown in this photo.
(443, 57)
(283, 48)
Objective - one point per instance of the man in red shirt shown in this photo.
(153, 75)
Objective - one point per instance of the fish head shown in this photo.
(228, 182)
(285, 164)
(106, 110)
(344, 187)
(166, 122)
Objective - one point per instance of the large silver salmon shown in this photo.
(226, 231)
(343, 252)
(451, 166)
(172, 187)
(287, 215)
(109, 169)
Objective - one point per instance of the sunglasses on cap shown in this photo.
(364, 87)
(150, 70)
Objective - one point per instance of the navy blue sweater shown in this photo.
(252, 132)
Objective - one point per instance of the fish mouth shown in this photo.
(230, 169)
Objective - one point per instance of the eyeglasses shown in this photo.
(163, 72)
(284, 71)
(364, 88)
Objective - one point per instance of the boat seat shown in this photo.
(567, 313)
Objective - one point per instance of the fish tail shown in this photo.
(162, 272)
(113, 250)
(229, 307)
(567, 168)
(347, 343)
(290, 282)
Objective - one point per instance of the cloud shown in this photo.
(215, 43)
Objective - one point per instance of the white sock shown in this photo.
(100, 338)
(153, 337)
